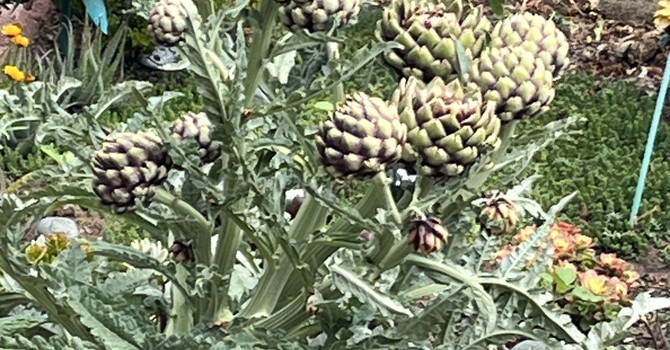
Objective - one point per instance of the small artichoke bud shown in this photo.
(168, 21)
(182, 252)
(361, 138)
(310, 306)
(196, 126)
(428, 235)
(128, 167)
(499, 215)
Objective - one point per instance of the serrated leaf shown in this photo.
(348, 282)
(18, 324)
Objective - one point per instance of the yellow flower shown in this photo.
(15, 73)
(594, 282)
(583, 241)
(11, 30)
(524, 235)
(610, 261)
(36, 253)
(619, 289)
(630, 276)
(662, 15)
(21, 41)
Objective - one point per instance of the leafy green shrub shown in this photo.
(602, 163)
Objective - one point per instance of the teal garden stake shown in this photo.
(653, 130)
(96, 10)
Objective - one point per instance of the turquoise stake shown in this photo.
(651, 138)
(66, 13)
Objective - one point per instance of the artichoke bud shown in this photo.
(318, 15)
(430, 34)
(499, 215)
(516, 80)
(128, 167)
(168, 21)
(182, 252)
(363, 136)
(537, 35)
(449, 126)
(427, 235)
(197, 127)
(310, 306)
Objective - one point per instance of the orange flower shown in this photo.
(619, 288)
(630, 277)
(524, 234)
(610, 261)
(11, 30)
(594, 282)
(583, 241)
(15, 73)
(21, 41)
(503, 253)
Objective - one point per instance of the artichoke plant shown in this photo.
(499, 215)
(536, 34)
(197, 127)
(430, 34)
(361, 138)
(449, 127)
(516, 80)
(168, 21)
(128, 167)
(427, 235)
(318, 15)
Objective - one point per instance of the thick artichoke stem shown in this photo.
(259, 48)
(311, 217)
(181, 315)
(333, 55)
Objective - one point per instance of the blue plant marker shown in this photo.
(98, 12)
(651, 138)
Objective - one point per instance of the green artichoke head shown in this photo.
(430, 34)
(536, 34)
(361, 138)
(197, 127)
(516, 80)
(318, 15)
(127, 169)
(168, 20)
(449, 126)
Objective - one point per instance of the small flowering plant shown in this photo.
(590, 287)
(17, 55)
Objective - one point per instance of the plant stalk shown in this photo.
(202, 232)
(333, 50)
(311, 217)
(181, 315)
(260, 46)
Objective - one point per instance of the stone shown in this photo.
(54, 224)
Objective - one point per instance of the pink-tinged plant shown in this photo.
(590, 287)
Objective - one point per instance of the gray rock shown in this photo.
(55, 224)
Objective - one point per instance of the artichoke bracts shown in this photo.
(499, 215)
(168, 21)
(318, 15)
(361, 138)
(428, 235)
(448, 127)
(197, 127)
(536, 34)
(128, 167)
(425, 31)
(517, 81)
